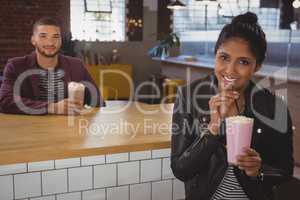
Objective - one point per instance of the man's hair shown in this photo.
(46, 21)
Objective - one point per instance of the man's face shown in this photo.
(47, 40)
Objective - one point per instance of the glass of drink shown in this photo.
(238, 136)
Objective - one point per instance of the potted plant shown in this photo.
(163, 48)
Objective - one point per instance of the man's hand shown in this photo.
(250, 162)
(226, 98)
(65, 107)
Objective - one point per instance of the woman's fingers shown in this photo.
(250, 152)
(248, 158)
(223, 99)
(250, 162)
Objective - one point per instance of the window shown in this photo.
(98, 20)
(215, 14)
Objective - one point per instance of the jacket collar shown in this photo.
(32, 60)
(32, 63)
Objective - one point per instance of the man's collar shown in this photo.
(33, 60)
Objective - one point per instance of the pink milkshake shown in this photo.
(76, 91)
(238, 136)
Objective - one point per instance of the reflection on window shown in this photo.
(214, 15)
(102, 20)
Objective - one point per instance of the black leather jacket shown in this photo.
(199, 158)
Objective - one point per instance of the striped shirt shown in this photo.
(230, 188)
(51, 85)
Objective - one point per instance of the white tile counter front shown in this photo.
(140, 175)
(53, 160)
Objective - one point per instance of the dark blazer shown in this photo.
(199, 158)
(15, 68)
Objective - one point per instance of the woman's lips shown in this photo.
(228, 81)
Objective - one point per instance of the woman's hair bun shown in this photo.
(247, 18)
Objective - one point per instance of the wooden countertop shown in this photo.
(279, 72)
(38, 138)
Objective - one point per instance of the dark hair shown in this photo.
(46, 21)
(245, 26)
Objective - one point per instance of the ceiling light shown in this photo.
(176, 5)
(296, 4)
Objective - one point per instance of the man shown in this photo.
(37, 83)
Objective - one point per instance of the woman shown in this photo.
(198, 146)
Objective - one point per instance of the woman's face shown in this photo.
(235, 64)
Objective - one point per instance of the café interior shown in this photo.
(138, 52)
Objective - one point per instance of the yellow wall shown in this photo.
(114, 81)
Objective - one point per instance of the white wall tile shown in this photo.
(54, 181)
(69, 196)
(66, 163)
(117, 157)
(178, 190)
(128, 173)
(162, 190)
(6, 187)
(150, 170)
(117, 193)
(166, 169)
(22, 187)
(44, 198)
(98, 194)
(105, 175)
(13, 169)
(43, 165)
(80, 178)
(140, 191)
(93, 160)
(161, 153)
(140, 155)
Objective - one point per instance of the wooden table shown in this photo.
(37, 138)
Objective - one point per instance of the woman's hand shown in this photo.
(226, 100)
(250, 162)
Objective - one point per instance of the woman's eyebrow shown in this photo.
(245, 58)
(223, 53)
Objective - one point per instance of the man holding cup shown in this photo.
(37, 84)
